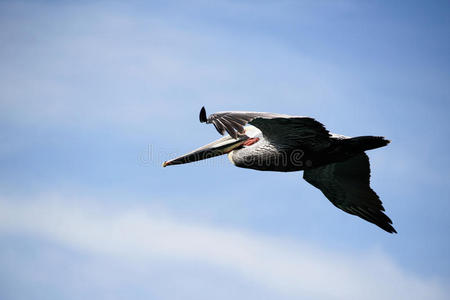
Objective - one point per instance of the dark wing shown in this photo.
(276, 127)
(233, 122)
(347, 185)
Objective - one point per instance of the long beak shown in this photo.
(216, 148)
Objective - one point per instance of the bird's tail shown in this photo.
(363, 143)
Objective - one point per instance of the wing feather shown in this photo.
(283, 129)
(347, 185)
(219, 127)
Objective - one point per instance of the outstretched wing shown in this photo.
(347, 185)
(284, 129)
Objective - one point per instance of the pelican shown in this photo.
(335, 164)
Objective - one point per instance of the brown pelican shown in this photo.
(335, 164)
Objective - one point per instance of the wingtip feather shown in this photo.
(202, 115)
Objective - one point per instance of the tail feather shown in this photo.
(364, 143)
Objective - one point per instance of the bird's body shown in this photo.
(267, 155)
(335, 164)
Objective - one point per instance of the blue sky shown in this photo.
(94, 96)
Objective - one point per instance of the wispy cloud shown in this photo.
(288, 268)
(120, 67)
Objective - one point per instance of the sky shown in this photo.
(95, 95)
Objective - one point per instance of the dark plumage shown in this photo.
(335, 164)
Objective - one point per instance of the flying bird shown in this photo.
(335, 164)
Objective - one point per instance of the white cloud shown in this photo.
(288, 268)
